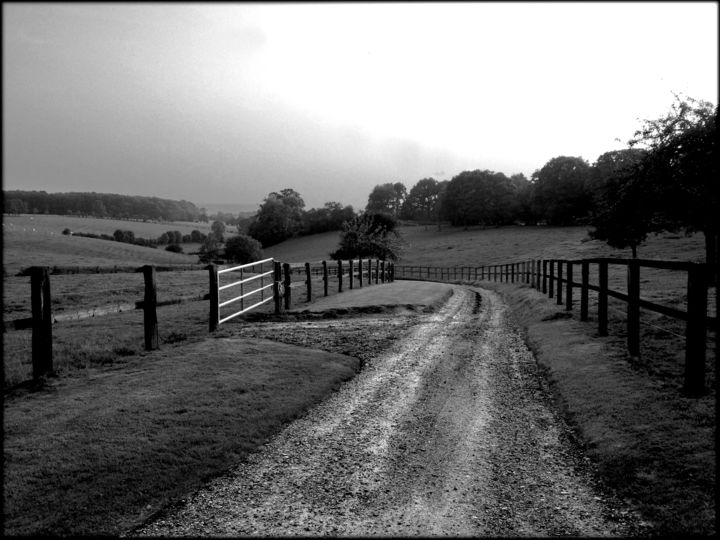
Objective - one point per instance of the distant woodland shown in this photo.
(101, 205)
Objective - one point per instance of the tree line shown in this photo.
(665, 180)
(101, 205)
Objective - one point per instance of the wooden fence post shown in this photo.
(584, 291)
(558, 299)
(377, 271)
(350, 273)
(551, 284)
(603, 298)
(695, 330)
(569, 287)
(214, 297)
(544, 276)
(150, 320)
(633, 307)
(308, 281)
(287, 285)
(538, 275)
(277, 277)
(382, 271)
(325, 277)
(41, 303)
(360, 272)
(340, 275)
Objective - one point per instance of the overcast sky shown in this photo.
(227, 102)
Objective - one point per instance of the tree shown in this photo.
(218, 229)
(560, 191)
(679, 173)
(621, 216)
(280, 217)
(386, 199)
(369, 235)
(421, 203)
(16, 206)
(479, 196)
(243, 249)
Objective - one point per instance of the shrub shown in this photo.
(175, 248)
(243, 249)
(67, 231)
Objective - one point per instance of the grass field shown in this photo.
(109, 390)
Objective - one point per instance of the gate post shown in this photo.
(544, 276)
(569, 291)
(360, 272)
(214, 297)
(40, 299)
(277, 277)
(287, 282)
(551, 280)
(382, 271)
(150, 320)
(585, 276)
(325, 277)
(350, 273)
(308, 281)
(558, 299)
(377, 270)
(340, 276)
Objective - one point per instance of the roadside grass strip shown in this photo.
(650, 444)
(100, 453)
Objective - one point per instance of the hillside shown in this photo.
(476, 246)
(30, 240)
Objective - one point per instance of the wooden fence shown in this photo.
(253, 282)
(547, 276)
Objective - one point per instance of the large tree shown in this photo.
(478, 196)
(560, 191)
(422, 201)
(679, 173)
(621, 215)
(387, 198)
(280, 217)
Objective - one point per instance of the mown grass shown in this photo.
(100, 453)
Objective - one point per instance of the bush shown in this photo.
(243, 249)
(175, 248)
(67, 231)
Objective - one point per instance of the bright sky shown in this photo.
(224, 103)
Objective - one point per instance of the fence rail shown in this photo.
(255, 280)
(547, 276)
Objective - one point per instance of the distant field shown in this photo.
(30, 240)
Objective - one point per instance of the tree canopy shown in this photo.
(369, 235)
(560, 191)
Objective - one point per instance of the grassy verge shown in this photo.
(651, 444)
(100, 453)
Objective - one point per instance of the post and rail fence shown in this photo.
(259, 283)
(546, 275)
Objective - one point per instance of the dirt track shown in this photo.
(447, 433)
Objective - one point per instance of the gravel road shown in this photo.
(447, 432)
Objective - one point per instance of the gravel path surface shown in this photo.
(448, 432)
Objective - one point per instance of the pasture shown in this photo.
(95, 357)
